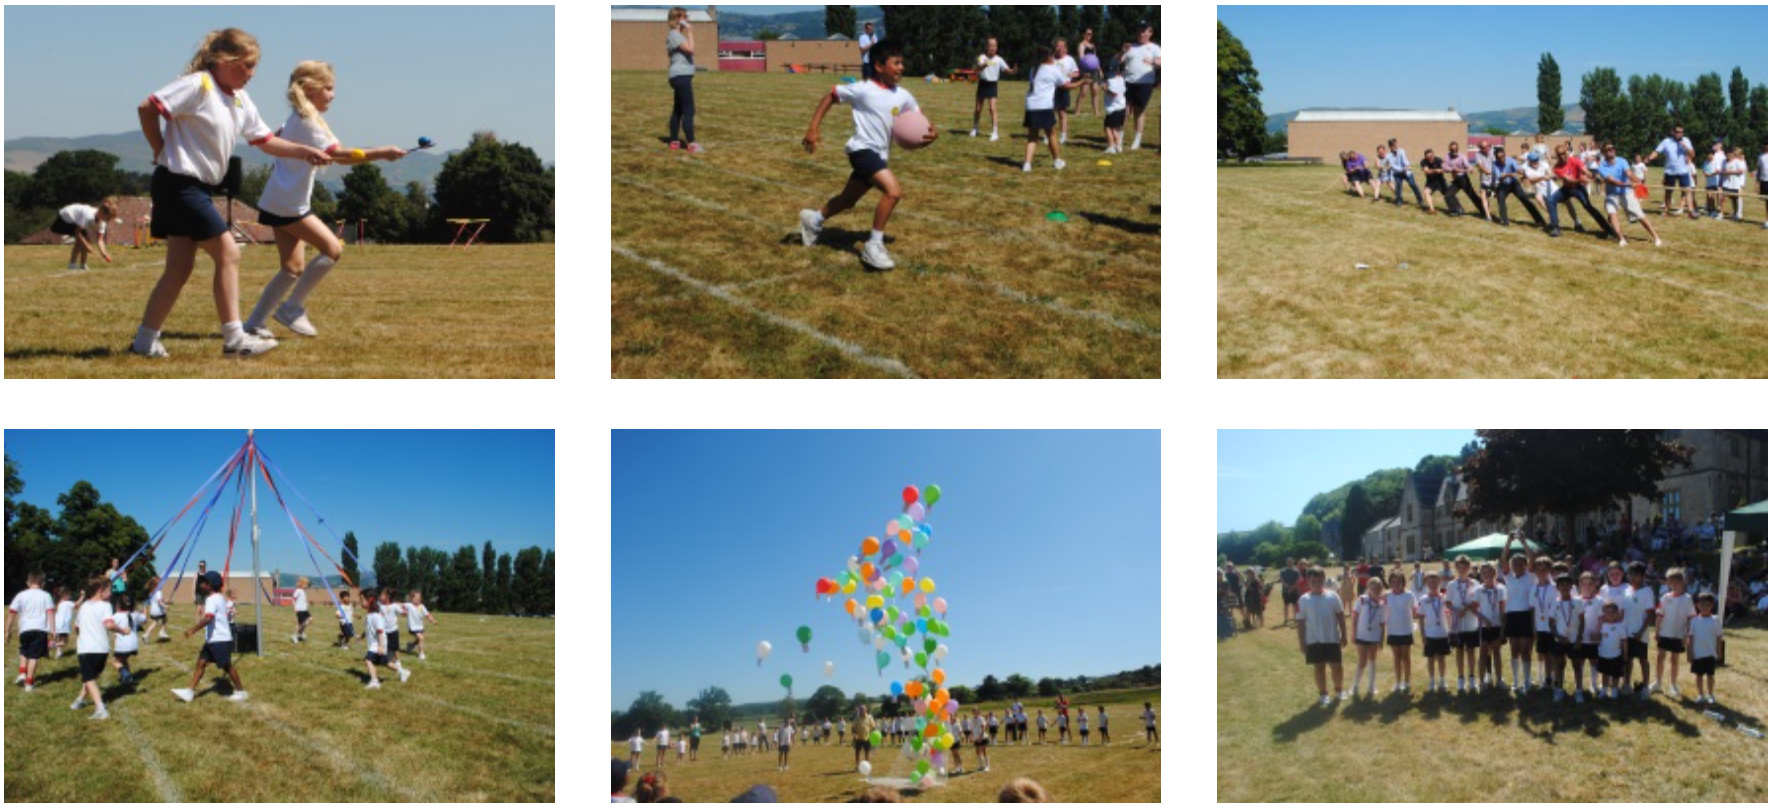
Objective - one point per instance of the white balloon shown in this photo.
(764, 648)
(827, 670)
(852, 564)
(864, 767)
(879, 642)
(941, 651)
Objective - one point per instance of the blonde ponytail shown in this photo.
(226, 45)
(309, 74)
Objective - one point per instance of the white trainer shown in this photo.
(1027, 166)
(1060, 164)
(972, 133)
(78, 704)
(373, 684)
(238, 696)
(184, 694)
(876, 255)
(249, 345)
(260, 331)
(296, 319)
(811, 226)
(1062, 139)
(155, 350)
(404, 674)
(293, 638)
(994, 136)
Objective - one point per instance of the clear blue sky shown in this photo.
(438, 488)
(1267, 475)
(1339, 56)
(403, 71)
(1046, 546)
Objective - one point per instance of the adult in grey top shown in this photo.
(681, 46)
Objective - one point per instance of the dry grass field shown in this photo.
(1273, 744)
(1460, 298)
(400, 311)
(1127, 770)
(475, 722)
(710, 277)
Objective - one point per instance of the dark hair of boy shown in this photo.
(1638, 568)
(880, 52)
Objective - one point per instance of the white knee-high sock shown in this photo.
(273, 295)
(312, 275)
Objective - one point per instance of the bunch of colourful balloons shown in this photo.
(897, 613)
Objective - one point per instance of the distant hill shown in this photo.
(24, 154)
(1512, 119)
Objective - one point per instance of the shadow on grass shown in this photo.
(1121, 223)
(29, 353)
(1005, 161)
(54, 677)
(112, 693)
(1306, 720)
(1154, 209)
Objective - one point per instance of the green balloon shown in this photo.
(894, 560)
(932, 495)
(924, 611)
(784, 680)
(940, 628)
(923, 766)
(876, 738)
(803, 634)
(920, 657)
(892, 612)
(907, 628)
(931, 644)
(882, 659)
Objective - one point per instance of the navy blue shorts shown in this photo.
(182, 207)
(394, 639)
(987, 90)
(1682, 181)
(866, 163)
(1115, 121)
(33, 645)
(302, 617)
(217, 653)
(63, 227)
(1040, 120)
(92, 666)
(375, 658)
(267, 218)
(1062, 100)
(1140, 95)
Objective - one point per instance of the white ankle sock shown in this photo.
(231, 332)
(312, 276)
(274, 294)
(876, 236)
(145, 338)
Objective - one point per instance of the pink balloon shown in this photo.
(893, 528)
(917, 512)
(939, 604)
(919, 597)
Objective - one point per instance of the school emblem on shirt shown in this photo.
(894, 111)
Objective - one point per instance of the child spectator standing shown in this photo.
(344, 611)
(1321, 634)
(1702, 637)
(1590, 608)
(1434, 630)
(1460, 594)
(1399, 620)
(1367, 629)
(1639, 609)
(636, 749)
(1612, 652)
(1565, 618)
(1673, 613)
(1148, 722)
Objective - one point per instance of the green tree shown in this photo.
(253, 182)
(1068, 24)
(323, 205)
(16, 561)
(1018, 686)
(827, 702)
(527, 581)
(990, 690)
(548, 594)
(1756, 117)
(387, 565)
(462, 581)
(417, 208)
(964, 695)
(1522, 472)
(367, 197)
(1708, 111)
(1240, 119)
(648, 713)
(89, 532)
(1736, 125)
(74, 176)
(349, 558)
(1093, 17)
(1647, 117)
(1007, 24)
(1356, 519)
(842, 20)
(1435, 465)
(1676, 101)
(1607, 111)
(503, 585)
(713, 708)
(1308, 528)
(485, 590)
(1549, 94)
(767, 34)
(1046, 686)
(503, 181)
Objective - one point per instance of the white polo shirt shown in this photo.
(218, 631)
(1370, 618)
(1705, 631)
(1043, 88)
(1460, 594)
(82, 216)
(202, 124)
(1400, 608)
(874, 108)
(1114, 94)
(1543, 598)
(1068, 66)
(1432, 616)
(989, 71)
(1138, 69)
(94, 639)
(1518, 591)
(1567, 617)
(293, 179)
(1675, 611)
(1611, 641)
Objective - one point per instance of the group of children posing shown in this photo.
(1535, 611)
(107, 629)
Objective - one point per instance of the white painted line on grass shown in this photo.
(163, 783)
(539, 729)
(429, 665)
(997, 287)
(846, 348)
(329, 751)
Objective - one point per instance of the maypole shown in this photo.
(253, 490)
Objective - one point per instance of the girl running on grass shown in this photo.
(284, 205)
(417, 615)
(157, 609)
(64, 618)
(128, 642)
(300, 601)
(205, 110)
(94, 646)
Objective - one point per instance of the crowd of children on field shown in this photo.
(651, 787)
(1547, 614)
(107, 630)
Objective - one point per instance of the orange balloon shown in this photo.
(915, 689)
(942, 714)
(871, 546)
(851, 606)
(931, 729)
(942, 696)
(868, 571)
(907, 584)
(938, 676)
(906, 535)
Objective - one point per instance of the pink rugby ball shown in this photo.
(909, 130)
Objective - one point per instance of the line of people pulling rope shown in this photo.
(1542, 186)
